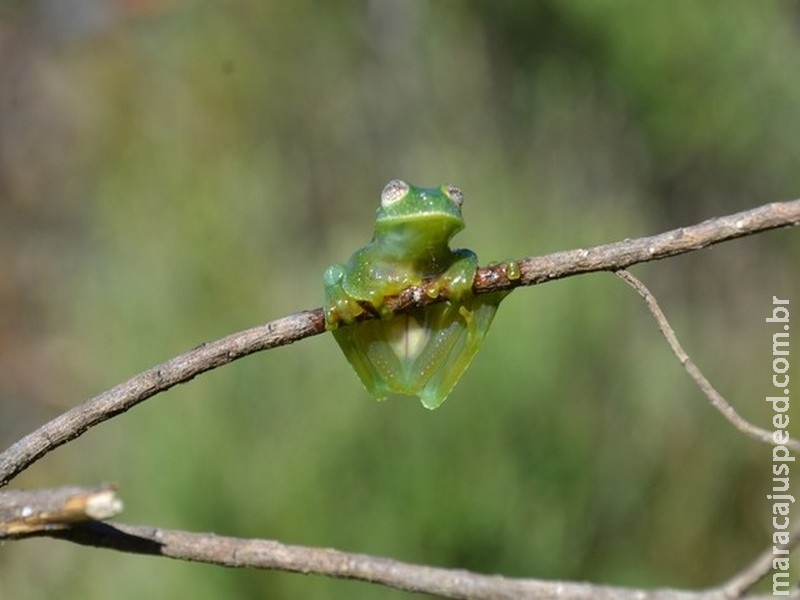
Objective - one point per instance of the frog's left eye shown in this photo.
(394, 191)
(455, 194)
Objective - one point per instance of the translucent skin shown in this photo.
(422, 352)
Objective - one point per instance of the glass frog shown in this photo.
(421, 352)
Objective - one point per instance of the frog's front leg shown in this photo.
(456, 281)
(339, 307)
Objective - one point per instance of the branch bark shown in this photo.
(35, 511)
(268, 554)
(532, 270)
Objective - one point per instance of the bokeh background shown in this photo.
(174, 171)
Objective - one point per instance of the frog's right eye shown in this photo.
(394, 191)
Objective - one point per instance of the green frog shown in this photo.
(423, 351)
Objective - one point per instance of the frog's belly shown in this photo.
(420, 353)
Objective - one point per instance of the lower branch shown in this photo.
(267, 554)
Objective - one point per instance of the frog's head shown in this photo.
(428, 216)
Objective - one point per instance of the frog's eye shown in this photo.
(394, 191)
(455, 194)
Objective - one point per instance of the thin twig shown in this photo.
(745, 579)
(714, 397)
(292, 328)
(268, 554)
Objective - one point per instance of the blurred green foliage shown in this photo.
(171, 172)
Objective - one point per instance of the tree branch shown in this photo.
(619, 255)
(292, 328)
(185, 367)
(68, 514)
(714, 397)
(267, 554)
